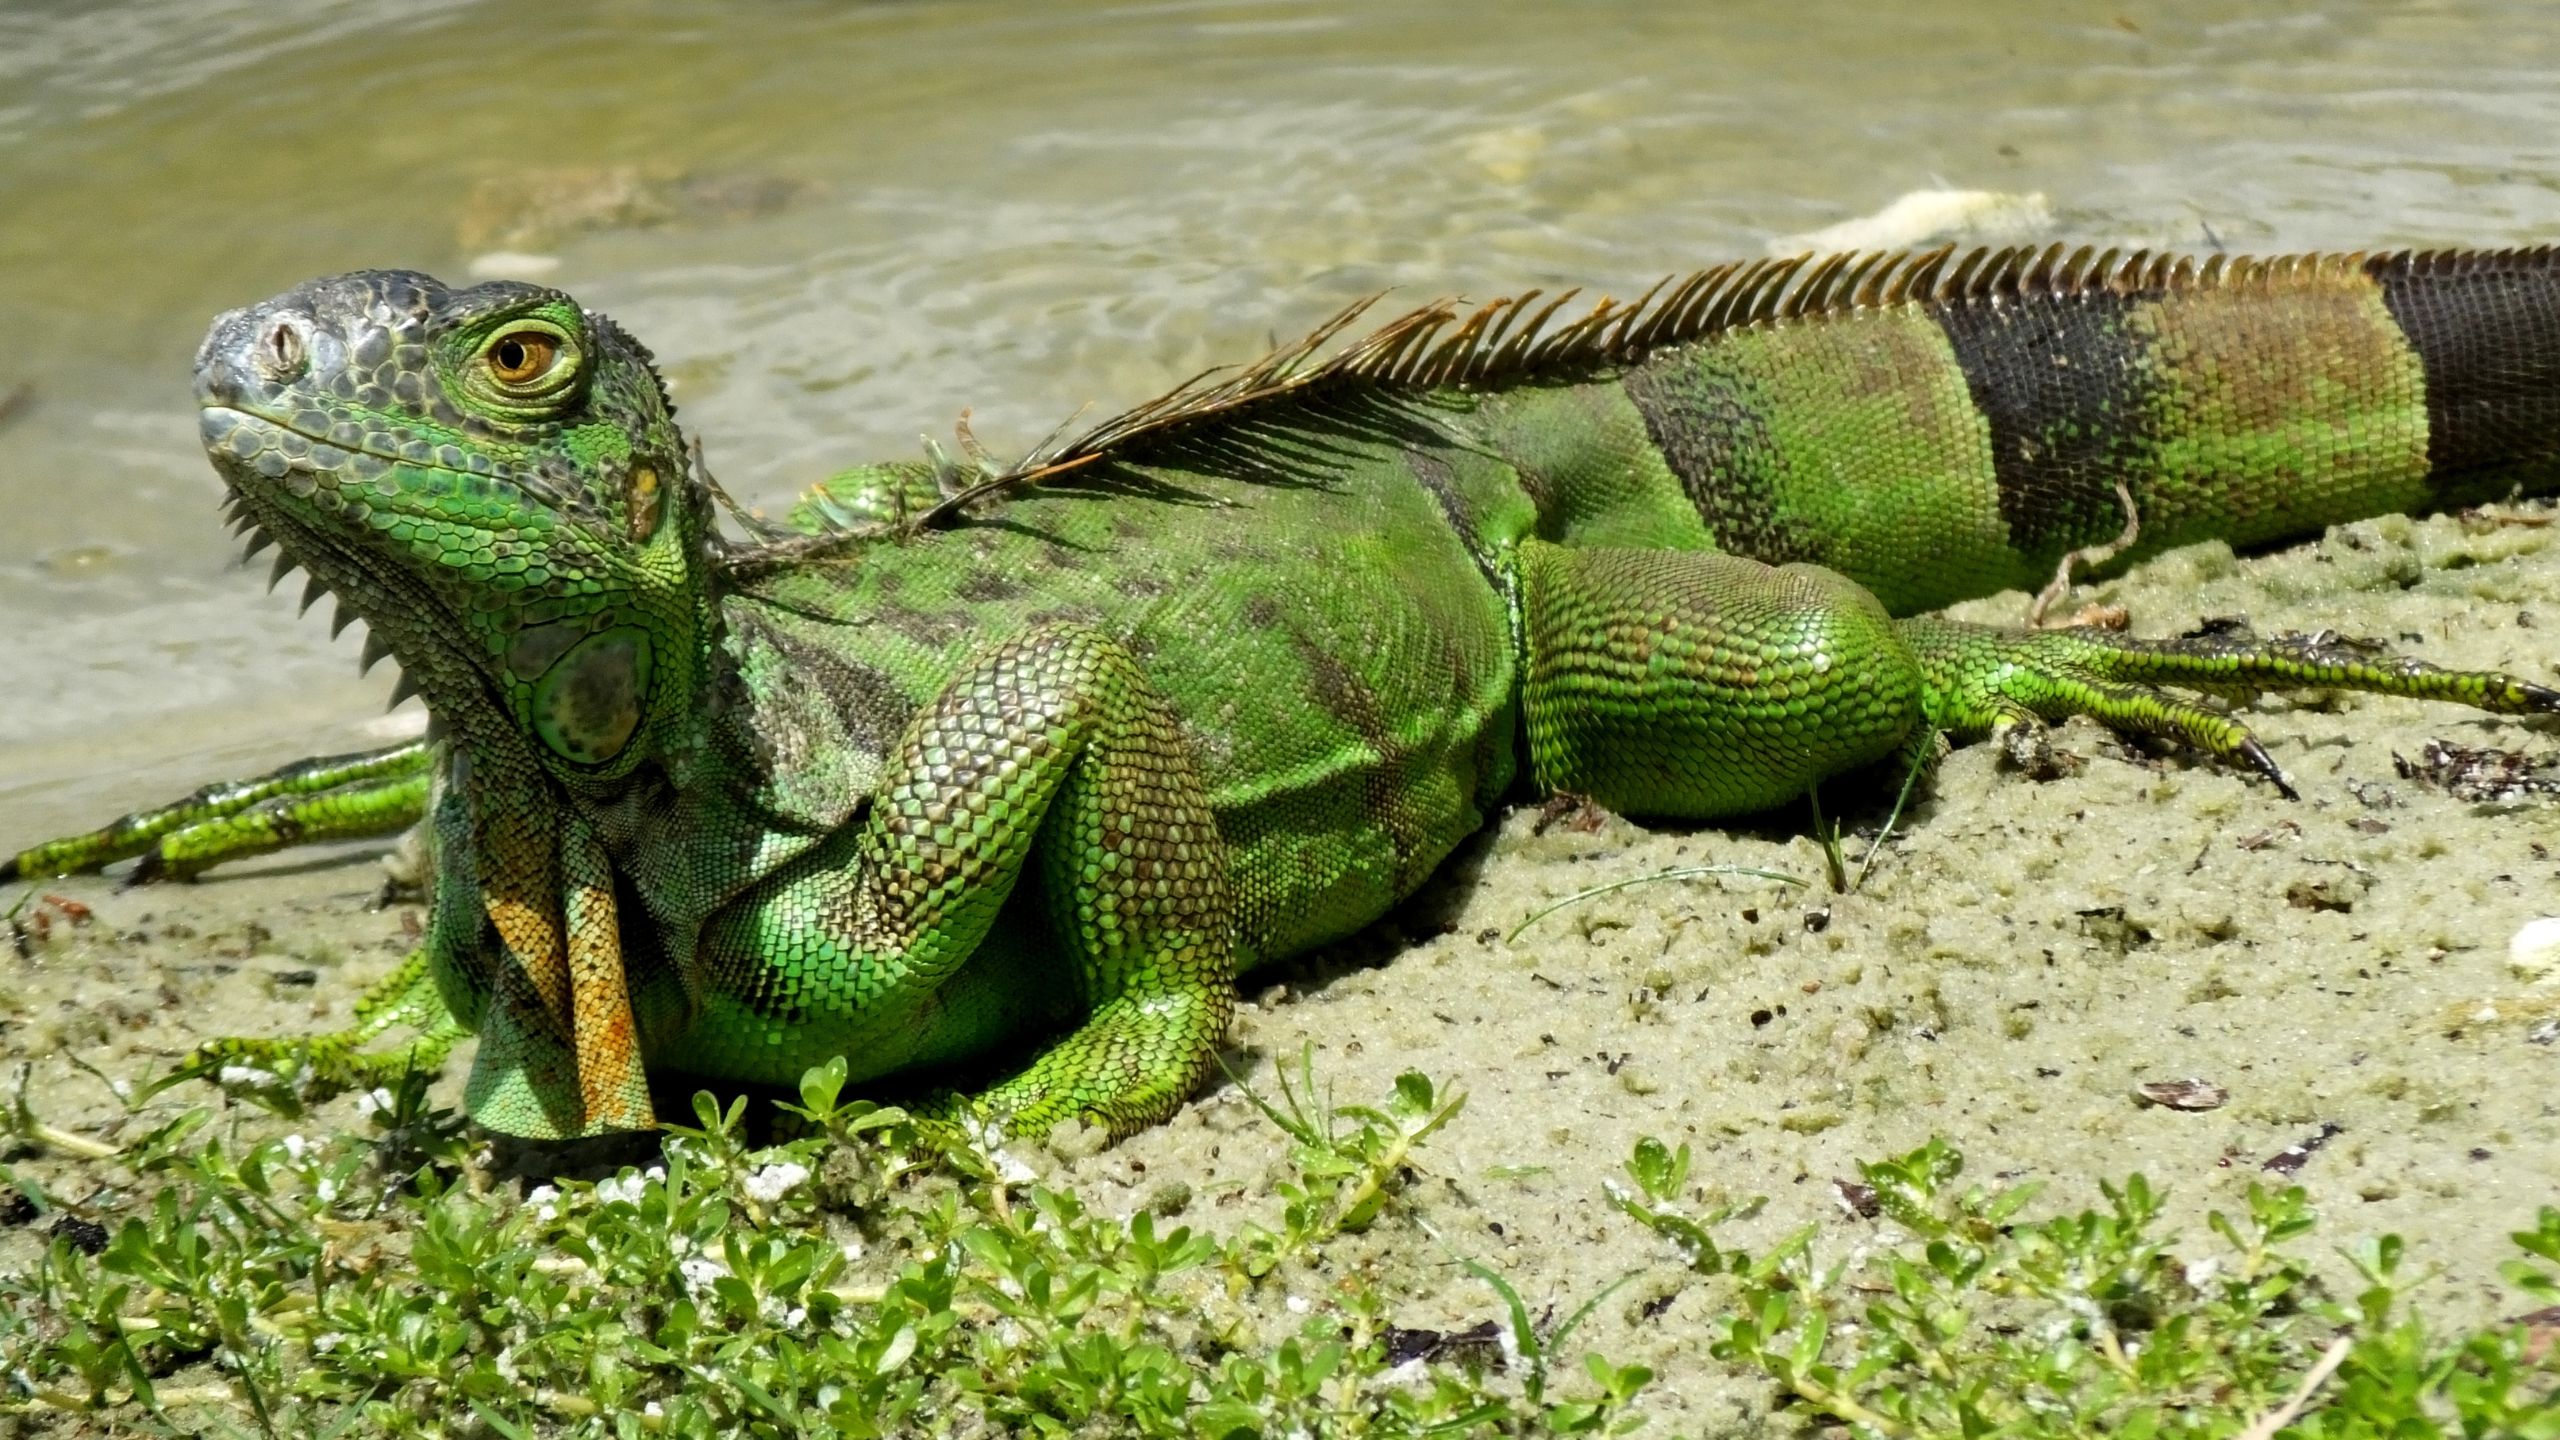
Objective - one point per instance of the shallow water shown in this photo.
(898, 210)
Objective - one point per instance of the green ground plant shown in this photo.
(877, 1277)
(1972, 1321)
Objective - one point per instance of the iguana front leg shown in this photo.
(329, 797)
(1672, 683)
(1049, 754)
(417, 997)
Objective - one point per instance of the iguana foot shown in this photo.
(1129, 1066)
(1983, 681)
(288, 1073)
(948, 1121)
(332, 797)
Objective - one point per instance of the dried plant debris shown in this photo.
(2188, 1094)
(2212, 626)
(2283, 829)
(2542, 1331)
(2290, 1160)
(2321, 895)
(2482, 773)
(2031, 750)
(1478, 1346)
(2481, 519)
(2108, 927)
(1576, 813)
(30, 923)
(2322, 643)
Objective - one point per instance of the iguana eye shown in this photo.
(521, 357)
(525, 367)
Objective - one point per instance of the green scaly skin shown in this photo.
(1226, 686)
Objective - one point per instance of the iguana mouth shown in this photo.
(298, 451)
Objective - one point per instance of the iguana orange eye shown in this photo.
(523, 356)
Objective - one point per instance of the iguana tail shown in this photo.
(1941, 426)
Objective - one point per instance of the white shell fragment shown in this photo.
(1926, 215)
(512, 265)
(2533, 952)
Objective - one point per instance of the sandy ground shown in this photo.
(2024, 955)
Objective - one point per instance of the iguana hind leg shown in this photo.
(1673, 683)
(1676, 683)
(1049, 755)
(330, 797)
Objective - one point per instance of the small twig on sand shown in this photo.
(2053, 593)
(1684, 872)
(2274, 1420)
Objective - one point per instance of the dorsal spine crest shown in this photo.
(1505, 342)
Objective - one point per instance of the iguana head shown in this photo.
(493, 480)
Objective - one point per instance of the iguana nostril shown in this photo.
(281, 353)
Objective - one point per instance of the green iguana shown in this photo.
(1229, 675)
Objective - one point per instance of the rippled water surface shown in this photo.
(839, 225)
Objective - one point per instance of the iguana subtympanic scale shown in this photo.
(981, 754)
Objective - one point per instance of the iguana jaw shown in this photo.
(394, 605)
(527, 551)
